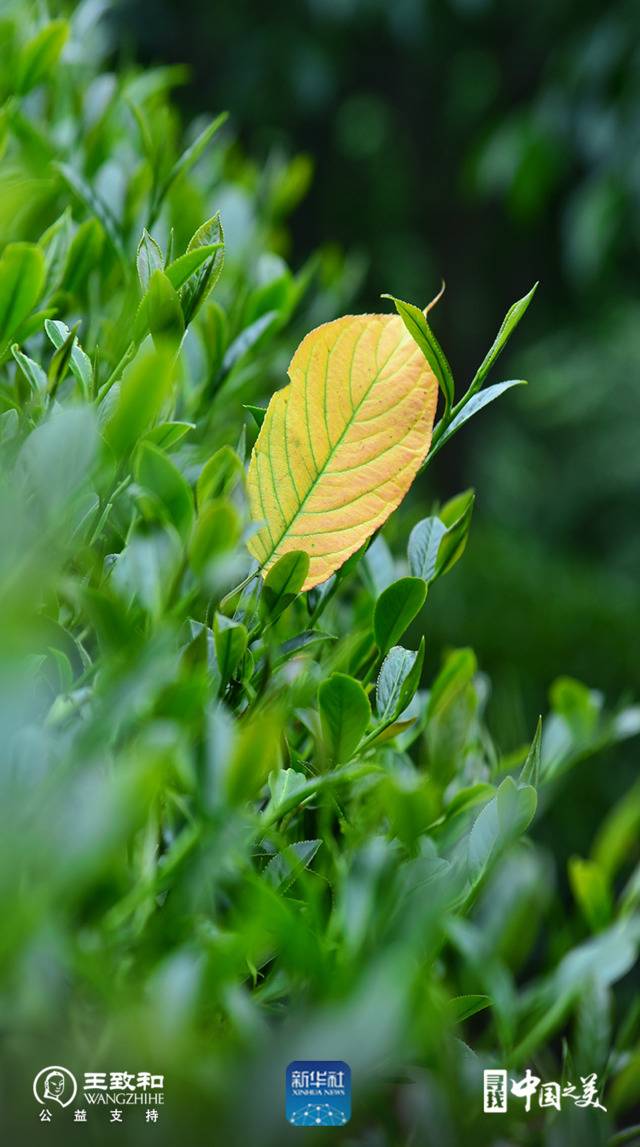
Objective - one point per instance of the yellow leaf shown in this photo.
(341, 444)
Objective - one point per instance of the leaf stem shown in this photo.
(238, 588)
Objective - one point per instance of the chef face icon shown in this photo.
(55, 1085)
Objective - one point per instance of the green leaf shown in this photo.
(231, 640)
(284, 868)
(395, 609)
(210, 237)
(284, 785)
(437, 543)
(80, 362)
(603, 959)
(463, 1007)
(217, 530)
(9, 425)
(593, 1026)
(180, 270)
(22, 272)
(257, 413)
(284, 582)
(167, 434)
(456, 516)
(83, 255)
(255, 756)
(55, 243)
(136, 402)
(148, 259)
(40, 55)
(60, 361)
(187, 161)
(619, 832)
(95, 205)
(502, 821)
(345, 713)
(530, 773)
(416, 323)
(212, 328)
(424, 544)
(509, 324)
(32, 371)
(57, 458)
(145, 570)
(379, 566)
(160, 311)
(247, 339)
(32, 325)
(592, 892)
(398, 680)
(451, 715)
(472, 407)
(219, 475)
(158, 475)
(458, 670)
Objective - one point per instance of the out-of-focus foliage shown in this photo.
(241, 824)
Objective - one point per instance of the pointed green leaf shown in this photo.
(32, 371)
(472, 407)
(418, 326)
(187, 161)
(200, 286)
(398, 680)
(22, 272)
(182, 269)
(231, 639)
(592, 892)
(247, 339)
(502, 821)
(256, 412)
(436, 543)
(219, 475)
(530, 773)
(509, 324)
(160, 311)
(284, 867)
(148, 259)
(167, 434)
(40, 55)
(80, 362)
(284, 582)
(60, 361)
(463, 1007)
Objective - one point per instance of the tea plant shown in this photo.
(244, 820)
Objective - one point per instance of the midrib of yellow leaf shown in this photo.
(334, 448)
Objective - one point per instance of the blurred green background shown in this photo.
(491, 145)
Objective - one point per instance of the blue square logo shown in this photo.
(318, 1093)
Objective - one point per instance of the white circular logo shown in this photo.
(55, 1085)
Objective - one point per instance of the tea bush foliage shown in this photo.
(245, 821)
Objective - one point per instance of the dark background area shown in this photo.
(493, 144)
